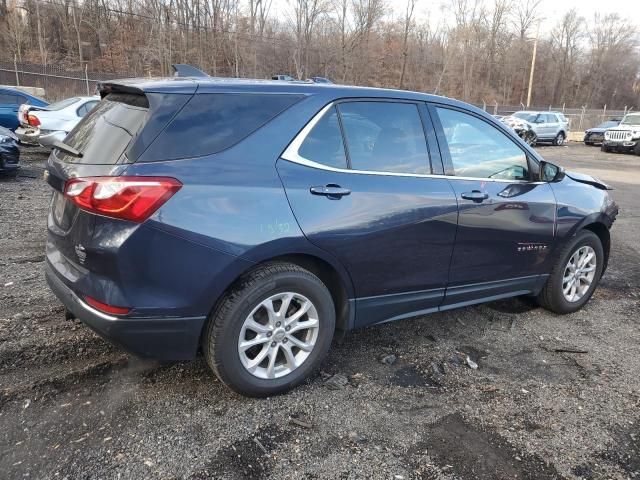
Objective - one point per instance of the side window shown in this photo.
(324, 143)
(20, 99)
(385, 137)
(551, 118)
(479, 150)
(8, 99)
(86, 108)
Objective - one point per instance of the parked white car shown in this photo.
(45, 125)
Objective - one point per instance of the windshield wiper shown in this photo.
(67, 149)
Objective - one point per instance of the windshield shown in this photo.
(631, 120)
(63, 103)
(527, 117)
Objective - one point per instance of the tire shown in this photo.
(590, 144)
(552, 296)
(605, 149)
(559, 140)
(226, 324)
(636, 149)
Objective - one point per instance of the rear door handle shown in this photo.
(332, 191)
(475, 195)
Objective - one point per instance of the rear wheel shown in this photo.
(271, 331)
(559, 140)
(575, 274)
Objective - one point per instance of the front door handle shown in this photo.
(475, 195)
(332, 191)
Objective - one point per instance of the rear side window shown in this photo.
(212, 122)
(8, 99)
(385, 137)
(105, 132)
(324, 143)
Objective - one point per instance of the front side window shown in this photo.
(324, 143)
(479, 150)
(385, 137)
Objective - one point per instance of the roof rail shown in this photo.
(184, 70)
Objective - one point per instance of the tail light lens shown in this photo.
(127, 198)
(33, 120)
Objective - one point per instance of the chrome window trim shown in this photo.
(291, 155)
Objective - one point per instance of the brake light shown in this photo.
(103, 307)
(127, 198)
(33, 120)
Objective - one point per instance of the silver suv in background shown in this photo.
(549, 126)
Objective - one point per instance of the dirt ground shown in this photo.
(552, 397)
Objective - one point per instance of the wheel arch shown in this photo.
(601, 230)
(335, 278)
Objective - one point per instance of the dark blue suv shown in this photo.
(254, 219)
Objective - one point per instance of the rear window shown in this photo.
(212, 122)
(63, 103)
(105, 132)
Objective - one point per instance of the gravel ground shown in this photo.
(552, 396)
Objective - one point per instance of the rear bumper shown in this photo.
(28, 135)
(160, 338)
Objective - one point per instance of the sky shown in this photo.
(552, 10)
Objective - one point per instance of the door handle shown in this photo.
(475, 195)
(332, 191)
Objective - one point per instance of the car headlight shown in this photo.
(635, 134)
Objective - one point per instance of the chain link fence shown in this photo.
(580, 119)
(59, 83)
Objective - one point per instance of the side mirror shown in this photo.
(550, 172)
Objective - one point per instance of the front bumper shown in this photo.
(594, 138)
(9, 157)
(621, 144)
(160, 338)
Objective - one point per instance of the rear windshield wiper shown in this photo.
(67, 149)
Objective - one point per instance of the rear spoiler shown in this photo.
(184, 70)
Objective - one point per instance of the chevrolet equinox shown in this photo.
(252, 220)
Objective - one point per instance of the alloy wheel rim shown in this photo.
(278, 335)
(579, 274)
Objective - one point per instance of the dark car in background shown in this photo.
(254, 219)
(9, 152)
(595, 135)
(10, 101)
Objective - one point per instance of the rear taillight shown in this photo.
(106, 308)
(33, 120)
(128, 198)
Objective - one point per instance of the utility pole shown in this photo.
(533, 66)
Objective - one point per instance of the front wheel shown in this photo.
(604, 148)
(271, 331)
(575, 274)
(559, 140)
